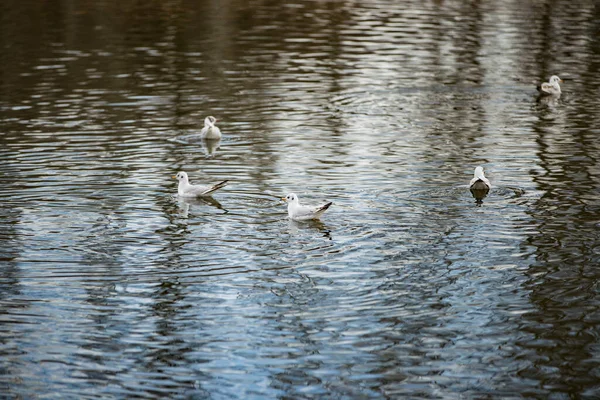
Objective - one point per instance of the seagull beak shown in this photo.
(174, 177)
(283, 198)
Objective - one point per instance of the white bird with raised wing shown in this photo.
(551, 88)
(479, 181)
(210, 130)
(298, 212)
(186, 189)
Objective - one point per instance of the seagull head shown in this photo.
(479, 173)
(210, 121)
(555, 79)
(181, 176)
(291, 198)
(479, 176)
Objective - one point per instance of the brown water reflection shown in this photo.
(112, 287)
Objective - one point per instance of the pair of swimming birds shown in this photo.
(296, 210)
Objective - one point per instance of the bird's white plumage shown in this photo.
(298, 212)
(210, 130)
(551, 87)
(479, 176)
(186, 189)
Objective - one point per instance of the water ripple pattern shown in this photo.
(409, 287)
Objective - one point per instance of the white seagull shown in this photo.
(186, 189)
(210, 130)
(302, 213)
(479, 181)
(551, 88)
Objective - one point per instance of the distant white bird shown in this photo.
(186, 189)
(479, 181)
(210, 130)
(551, 88)
(298, 212)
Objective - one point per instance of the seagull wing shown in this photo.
(310, 212)
(215, 187)
(547, 88)
(196, 191)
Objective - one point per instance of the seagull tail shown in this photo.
(322, 209)
(215, 188)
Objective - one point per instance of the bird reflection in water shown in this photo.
(548, 101)
(210, 146)
(185, 203)
(314, 224)
(479, 194)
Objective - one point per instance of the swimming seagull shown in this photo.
(551, 88)
(186, 189)
(302, 213)
(210, 130)
(479, 181)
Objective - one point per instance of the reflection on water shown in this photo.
(209, 146)
(316, 226)
(479, 194)
(112, 286)
(185, 203)
(549, 101)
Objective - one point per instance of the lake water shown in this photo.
(112, 287)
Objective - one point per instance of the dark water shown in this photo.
(112, 287)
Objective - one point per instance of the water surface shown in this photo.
(112, 287)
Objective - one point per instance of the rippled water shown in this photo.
(112, 287)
